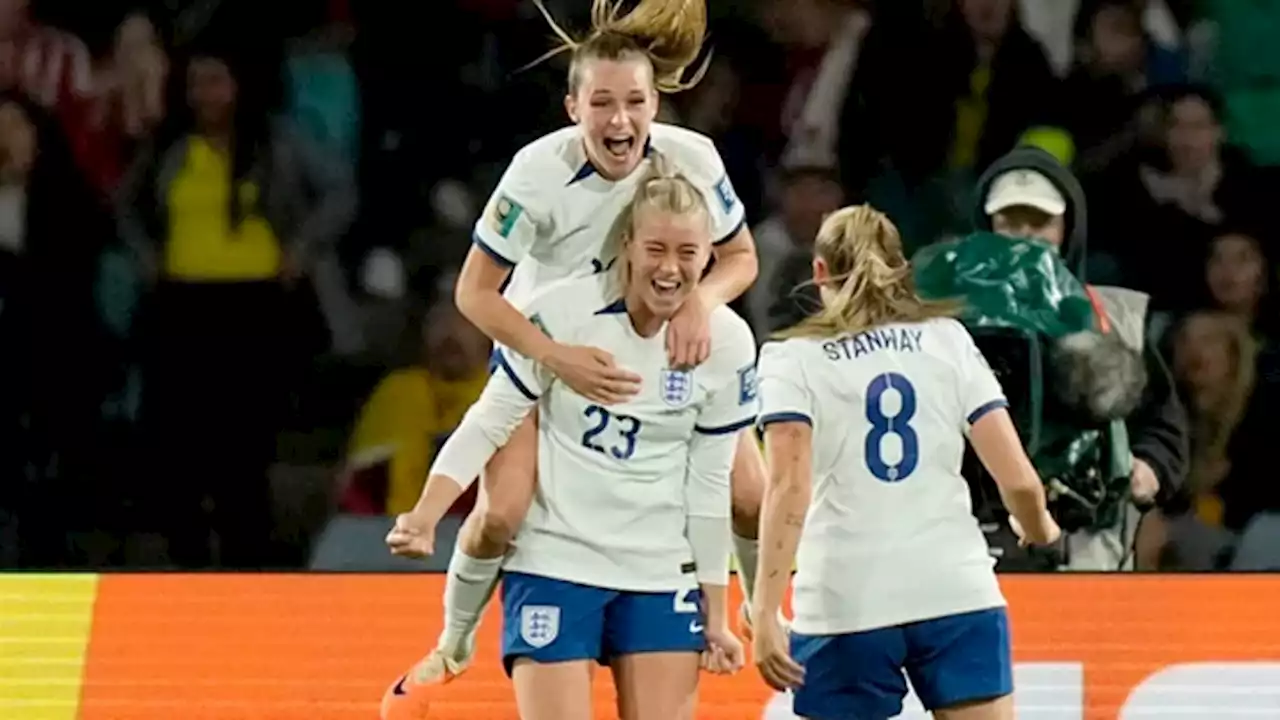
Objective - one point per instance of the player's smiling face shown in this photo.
(614, 105)
(666, 256)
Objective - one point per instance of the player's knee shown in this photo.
(747, 498)
(500, 521)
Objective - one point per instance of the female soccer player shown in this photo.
(865, 407)
(548, 220)
(624, 555)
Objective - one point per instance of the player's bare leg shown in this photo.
(998, 709)
(656, 686)
(748, 478)
(554, 691)
(506, 489)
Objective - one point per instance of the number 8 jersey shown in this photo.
(890, 537)
(618, 485)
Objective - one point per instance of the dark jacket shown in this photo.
(1158, 432)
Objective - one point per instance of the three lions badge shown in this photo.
(677, 387)
(539, 625)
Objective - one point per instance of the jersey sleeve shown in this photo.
(731, 405)
(708, 502)
(487, 426)
(980, 391)
(546, 311)
(784, 394)
(728, 215)
(516, 214)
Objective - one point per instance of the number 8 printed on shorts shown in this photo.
(898, 424)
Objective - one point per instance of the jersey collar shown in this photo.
(587, 169)
(613, 308)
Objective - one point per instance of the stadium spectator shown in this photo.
(1172, 198)
(412, 412)
(51, 234)
(1115, 66)
(234, 217)
(1028, 194)
(1059, 25)
(1238, 278)
(1214, 361)
(933, 106)
(784, 245)
(825, 38)
(50, 66)
(129, 101)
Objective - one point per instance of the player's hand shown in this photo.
(724, 654)
(1143, 483)
(411, 536)
(593, 374)
(1051, 531)
(771, 649)
(689, 334)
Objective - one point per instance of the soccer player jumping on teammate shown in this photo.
(624, 555)
(865, 408)
(549, 219)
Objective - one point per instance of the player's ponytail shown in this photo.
(669, 33)
(871, 282)
(660, 190)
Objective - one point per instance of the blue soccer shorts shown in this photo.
(551, 621)
(951, 661)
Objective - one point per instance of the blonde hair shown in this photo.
(668, 33)
(1212, 427)
(871, 282)
(661, 190)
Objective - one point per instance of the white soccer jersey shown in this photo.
(551, 214)
(617, 485)
(890, 536)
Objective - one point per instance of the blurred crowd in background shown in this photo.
(229, 230)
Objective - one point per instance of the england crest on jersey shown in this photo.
(677, 387)
(539, 624)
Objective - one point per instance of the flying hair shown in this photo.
(668, 33)
(661, 190)
(871, 282)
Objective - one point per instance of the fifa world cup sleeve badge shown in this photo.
(504, 215)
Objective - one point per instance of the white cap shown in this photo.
(1024, 187)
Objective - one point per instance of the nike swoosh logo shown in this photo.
(695, 627)
(399, 688)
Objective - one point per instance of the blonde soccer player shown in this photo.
(624, 555)
(865, 408)
(548, 220)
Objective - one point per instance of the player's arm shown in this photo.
(730, 409)
(786, 417)
(736, 267)
(736, 264)
(503, 237)
(510, 394)
(707, 507)
(996, 442)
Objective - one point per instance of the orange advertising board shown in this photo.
(295, 647)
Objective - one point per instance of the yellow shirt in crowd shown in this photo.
(202, 246)
(971, 118)
(404, 423)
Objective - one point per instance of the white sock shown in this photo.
(747, 552)
(467, 590)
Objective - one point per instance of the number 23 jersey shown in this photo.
(890, 537)
(616, 484)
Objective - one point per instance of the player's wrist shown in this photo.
(548, 355)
